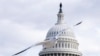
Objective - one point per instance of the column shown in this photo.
(73, 55)
(64, 54)
(56, 54)
(60, 54)
(49, 54)
(53, 54)
(68, 54)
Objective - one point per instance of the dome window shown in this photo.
(57, 32)
(59, 45)
(62, 45)
(68, 45)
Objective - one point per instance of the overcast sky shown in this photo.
(25, 22)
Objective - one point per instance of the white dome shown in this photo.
(57, 28)
(66, 44)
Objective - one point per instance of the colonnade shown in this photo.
(66, 45)
(59, 54)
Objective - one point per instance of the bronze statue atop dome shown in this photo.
(60, 10)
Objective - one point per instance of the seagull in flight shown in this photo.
(78, 23)
(46, 43)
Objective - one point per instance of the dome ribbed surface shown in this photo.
(57, 28)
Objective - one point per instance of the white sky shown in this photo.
(25, 22)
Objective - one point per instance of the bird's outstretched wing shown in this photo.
(40, 43)
(22, 51)
(78, 23)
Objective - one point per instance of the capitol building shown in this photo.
(66, 45)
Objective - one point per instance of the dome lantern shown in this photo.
(60, 15)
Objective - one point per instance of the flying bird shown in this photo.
(46, 43)
(78, 23)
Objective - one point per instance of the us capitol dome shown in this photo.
(67, 45)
